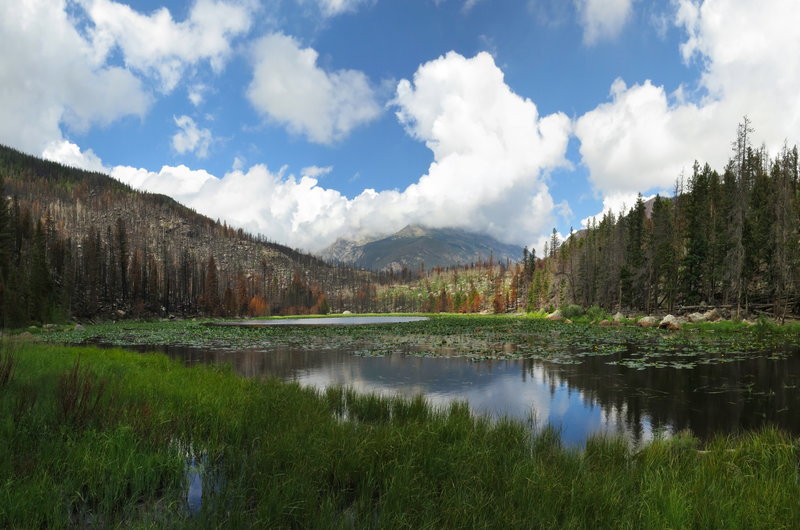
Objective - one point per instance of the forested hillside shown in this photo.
(725, 239)
(729, 240)
(75, 244)
(80, 244)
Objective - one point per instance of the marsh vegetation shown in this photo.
(99, 437)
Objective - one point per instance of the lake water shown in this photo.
(320, 321)
(581, 399)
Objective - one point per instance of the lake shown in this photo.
(320, 321)
(593, 395)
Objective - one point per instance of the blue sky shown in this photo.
(309, 120)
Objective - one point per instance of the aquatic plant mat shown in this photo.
(478, 338)
(101, 438)
(318, 321)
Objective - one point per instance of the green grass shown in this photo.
(100, 438)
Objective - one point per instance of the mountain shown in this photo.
(416, 245)
(78, 244)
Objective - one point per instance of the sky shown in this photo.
(312, 120)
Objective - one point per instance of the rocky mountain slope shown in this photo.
(107, 249)
(415, 245)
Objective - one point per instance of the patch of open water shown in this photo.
(318, 321)
(588, 397)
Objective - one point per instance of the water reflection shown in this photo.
(579, 399)
(319, 321)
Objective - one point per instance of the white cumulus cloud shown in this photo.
(602, 19)
(69, 154)
(749, 53)
(491, 149)
(55, 76)
(315, 171)
(158, 45)
(190, 137)
(179, 182)
(49, 77)
(290, 88)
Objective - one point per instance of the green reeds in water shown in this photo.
(121, 439)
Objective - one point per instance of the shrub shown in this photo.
(571, 311)
(763, 325)
(595, 313)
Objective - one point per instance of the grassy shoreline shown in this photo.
(99, 438)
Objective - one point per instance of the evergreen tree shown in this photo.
(695, 235)
(664, 255)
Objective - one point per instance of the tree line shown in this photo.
(75, 244)
(725, 239)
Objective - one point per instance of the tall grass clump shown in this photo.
(763, 325)
(80, 395)
(6, 364)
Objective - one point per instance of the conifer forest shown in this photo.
(80, 245)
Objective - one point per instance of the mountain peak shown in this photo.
(411, 231)
(417, 245)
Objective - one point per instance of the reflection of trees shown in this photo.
(280, 362)
(707, 399)
(284, 362)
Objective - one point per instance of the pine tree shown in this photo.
(664, 255)
(632, 269)
(695, 236)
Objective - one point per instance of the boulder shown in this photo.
(696, 317)
(346, 312)
(78, 327)
(712, 315)
(669, 322)
(618, 317)
(555, 316)
(568, 321)
(647, 322)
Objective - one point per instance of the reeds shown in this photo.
(6, 364)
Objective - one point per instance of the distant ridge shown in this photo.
(416, 245)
